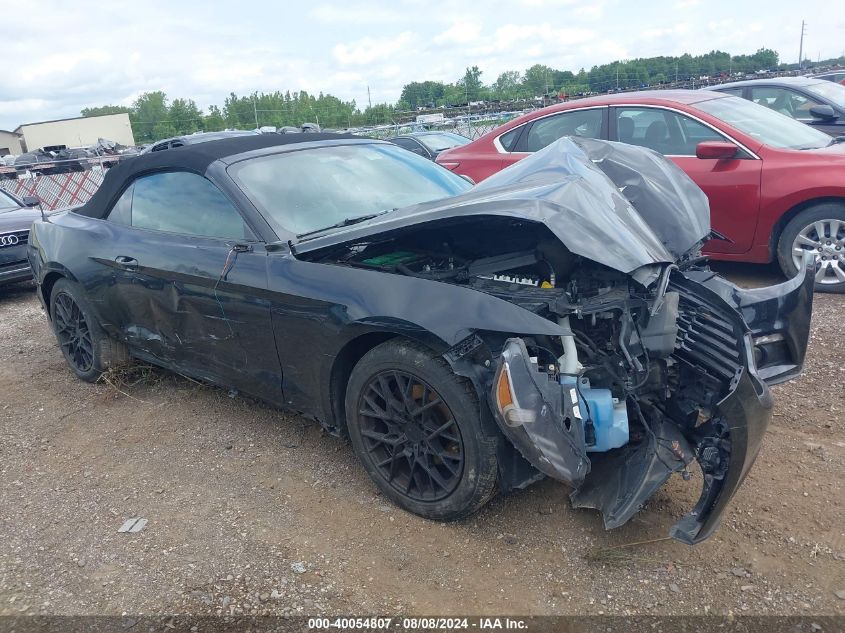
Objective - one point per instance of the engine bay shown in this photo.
(620, 360)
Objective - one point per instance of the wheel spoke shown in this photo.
(821, 273)
(384, 438)
(426, 407)
(377, 411)
(432, 473)
(440, 430)
(803, 240)
(820, 229)
(837, 270)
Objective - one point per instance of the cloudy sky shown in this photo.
(61, 56)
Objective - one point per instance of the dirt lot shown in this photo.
(251, 510)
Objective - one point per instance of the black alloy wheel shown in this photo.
(73, 333)
(86, 347)
(417, 429)
(410, 436)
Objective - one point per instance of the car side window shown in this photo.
(664, 131)
(509, 138)
(736, 92)
(785, 101)
(121, 212)
(179, 202)
(411, 145)
(546, 131)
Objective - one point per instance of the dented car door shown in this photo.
(188, 282)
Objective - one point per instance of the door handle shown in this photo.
(129, 263)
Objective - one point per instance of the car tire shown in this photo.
(444, 476)
(87, 349)
(803, 231)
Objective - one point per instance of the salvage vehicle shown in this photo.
(16, 217)
(193, 139)
(815, 102)
(775, 186)
(557, 320)
(429, 144)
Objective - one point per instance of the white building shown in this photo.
(76, 132)
(10, 143)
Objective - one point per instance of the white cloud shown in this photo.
(510, 35)
(359, 14)
(459, 33)
(370, 49)
(62, 56)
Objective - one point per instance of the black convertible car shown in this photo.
(556, 320)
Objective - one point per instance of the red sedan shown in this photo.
(776, 186)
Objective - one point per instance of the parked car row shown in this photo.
(60, 159)
(815, 102)
(775, 186)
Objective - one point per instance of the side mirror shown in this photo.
(719, 150)
(31, 201)
(824, 112)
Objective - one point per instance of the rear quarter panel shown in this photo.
(791, 179)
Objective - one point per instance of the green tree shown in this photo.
(471, 84)
(213, 121)
(421, 93)
(538, 79)
(507, 85)
(184, 116)
(149, 117)
(107, 109)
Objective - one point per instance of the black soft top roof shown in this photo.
(194, 158)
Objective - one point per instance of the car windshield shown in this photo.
(311, 189)
(765, 125)
(832, 92)
(440, 142)
(7, 203)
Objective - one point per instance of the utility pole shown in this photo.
(676, 72)
(801, 47)
(617, 76)
(255, 111)
(369, 101)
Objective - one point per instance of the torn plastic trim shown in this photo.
(726, 453)
(533, 412)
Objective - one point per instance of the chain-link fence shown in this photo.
(56, 190)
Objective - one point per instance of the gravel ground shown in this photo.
(254, 511)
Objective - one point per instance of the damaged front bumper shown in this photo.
(542, 418)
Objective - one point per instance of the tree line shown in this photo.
(154, 117)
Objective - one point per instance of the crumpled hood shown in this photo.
(623, 206)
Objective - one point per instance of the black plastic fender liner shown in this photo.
(621, 480)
